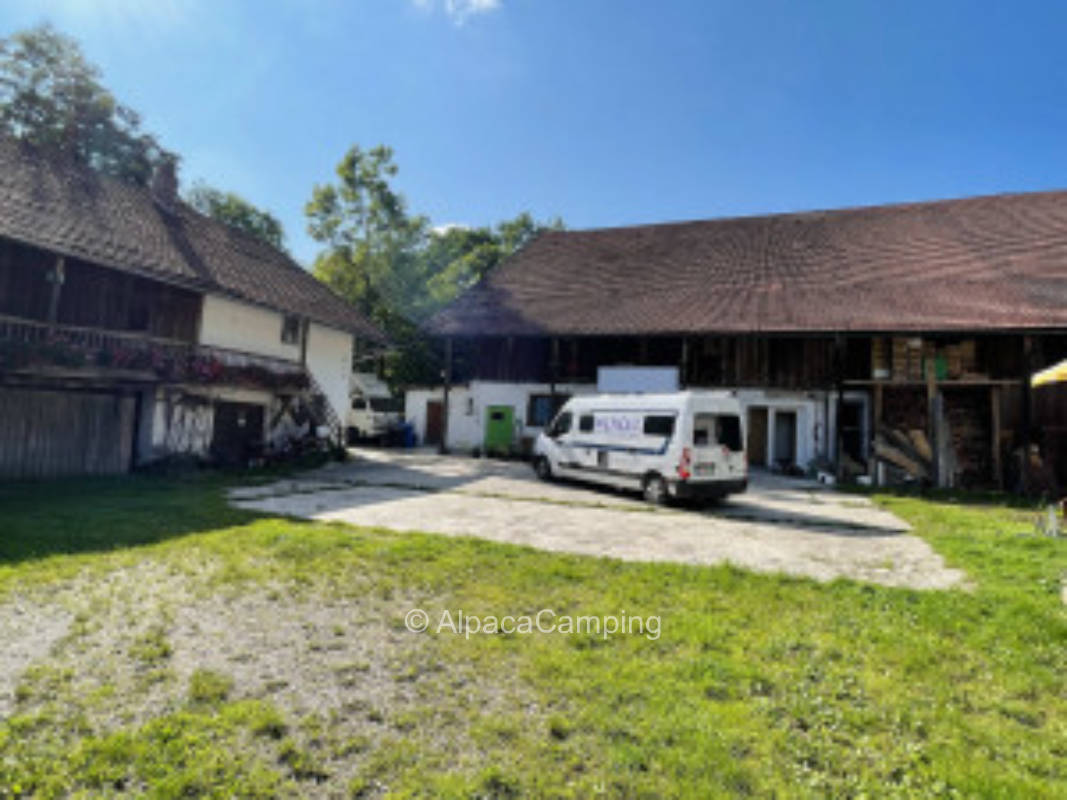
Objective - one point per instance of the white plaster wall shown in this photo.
(181, 420)
(182, 424)
(245, 327)
(468, 404)
(809, 408)
(329, 359)
(467, 407)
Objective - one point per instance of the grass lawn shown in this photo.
(178, 647)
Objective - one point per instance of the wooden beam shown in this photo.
(839, 380)
(935, 432)
(447, 375)
(898, 457)
(998, 467)
(305, 327)
(1026, 406)
(875, 424)
(553, 371)
(56, 277)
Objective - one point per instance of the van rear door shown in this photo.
(718, 448)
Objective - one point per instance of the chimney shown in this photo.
(164, 184)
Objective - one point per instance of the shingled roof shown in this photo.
(54, 205)
(982, 263)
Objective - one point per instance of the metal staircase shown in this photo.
(322, 412)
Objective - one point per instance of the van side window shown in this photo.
(728, 432)
(359, 404)
(585, 423)
(561, 425)
(659, 426)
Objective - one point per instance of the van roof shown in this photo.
(636, 400)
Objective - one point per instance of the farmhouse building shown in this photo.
(894, 341)
(133, 328)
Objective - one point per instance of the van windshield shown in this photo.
(723, 430)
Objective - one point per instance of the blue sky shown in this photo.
(603, 112)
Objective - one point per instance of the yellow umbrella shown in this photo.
(1054, 374)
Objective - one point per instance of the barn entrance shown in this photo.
(435, 421)
(46, 434)
(238, 433)
(785, 438)
(757, 436)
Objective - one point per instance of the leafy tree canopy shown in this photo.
(391, 263)
(235, 211)
(372, 243)
(51, 97)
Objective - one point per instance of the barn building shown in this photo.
(892, 341)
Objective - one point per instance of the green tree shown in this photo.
(457, 257)
(392, 265)
(372, 244)
(235, 211)
(52, 98)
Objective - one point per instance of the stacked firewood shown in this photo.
(908, 451)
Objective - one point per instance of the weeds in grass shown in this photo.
(208, 687)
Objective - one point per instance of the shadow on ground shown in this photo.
(39, 519)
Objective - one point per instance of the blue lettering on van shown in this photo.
(618, 424)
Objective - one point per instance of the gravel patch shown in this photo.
(28, 631)
(115, 650)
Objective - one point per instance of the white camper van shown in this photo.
(684, 445)
(373, 410)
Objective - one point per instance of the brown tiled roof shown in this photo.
(73, 211)
(982, 263)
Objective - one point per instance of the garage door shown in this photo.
(45, 434)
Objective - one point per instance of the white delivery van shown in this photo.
(373, 410)
(683, 445)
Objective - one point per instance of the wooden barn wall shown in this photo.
(705, 360)
(45, 434)
(1050, 424)
(92, 296)
(970, 420)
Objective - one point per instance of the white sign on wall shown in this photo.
(621, 380)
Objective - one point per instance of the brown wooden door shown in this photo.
(237, 436)
(435, 421)
(44, 434)
(757, 436)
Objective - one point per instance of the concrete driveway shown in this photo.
(779, 525)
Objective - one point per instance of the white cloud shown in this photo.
(441, 230)
(459, 10)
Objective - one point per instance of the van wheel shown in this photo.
(654, 490)
(543, 469)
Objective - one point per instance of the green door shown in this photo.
(499, 429)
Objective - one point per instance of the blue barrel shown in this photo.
(409, 435)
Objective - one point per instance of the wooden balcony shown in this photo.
(29, 348)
